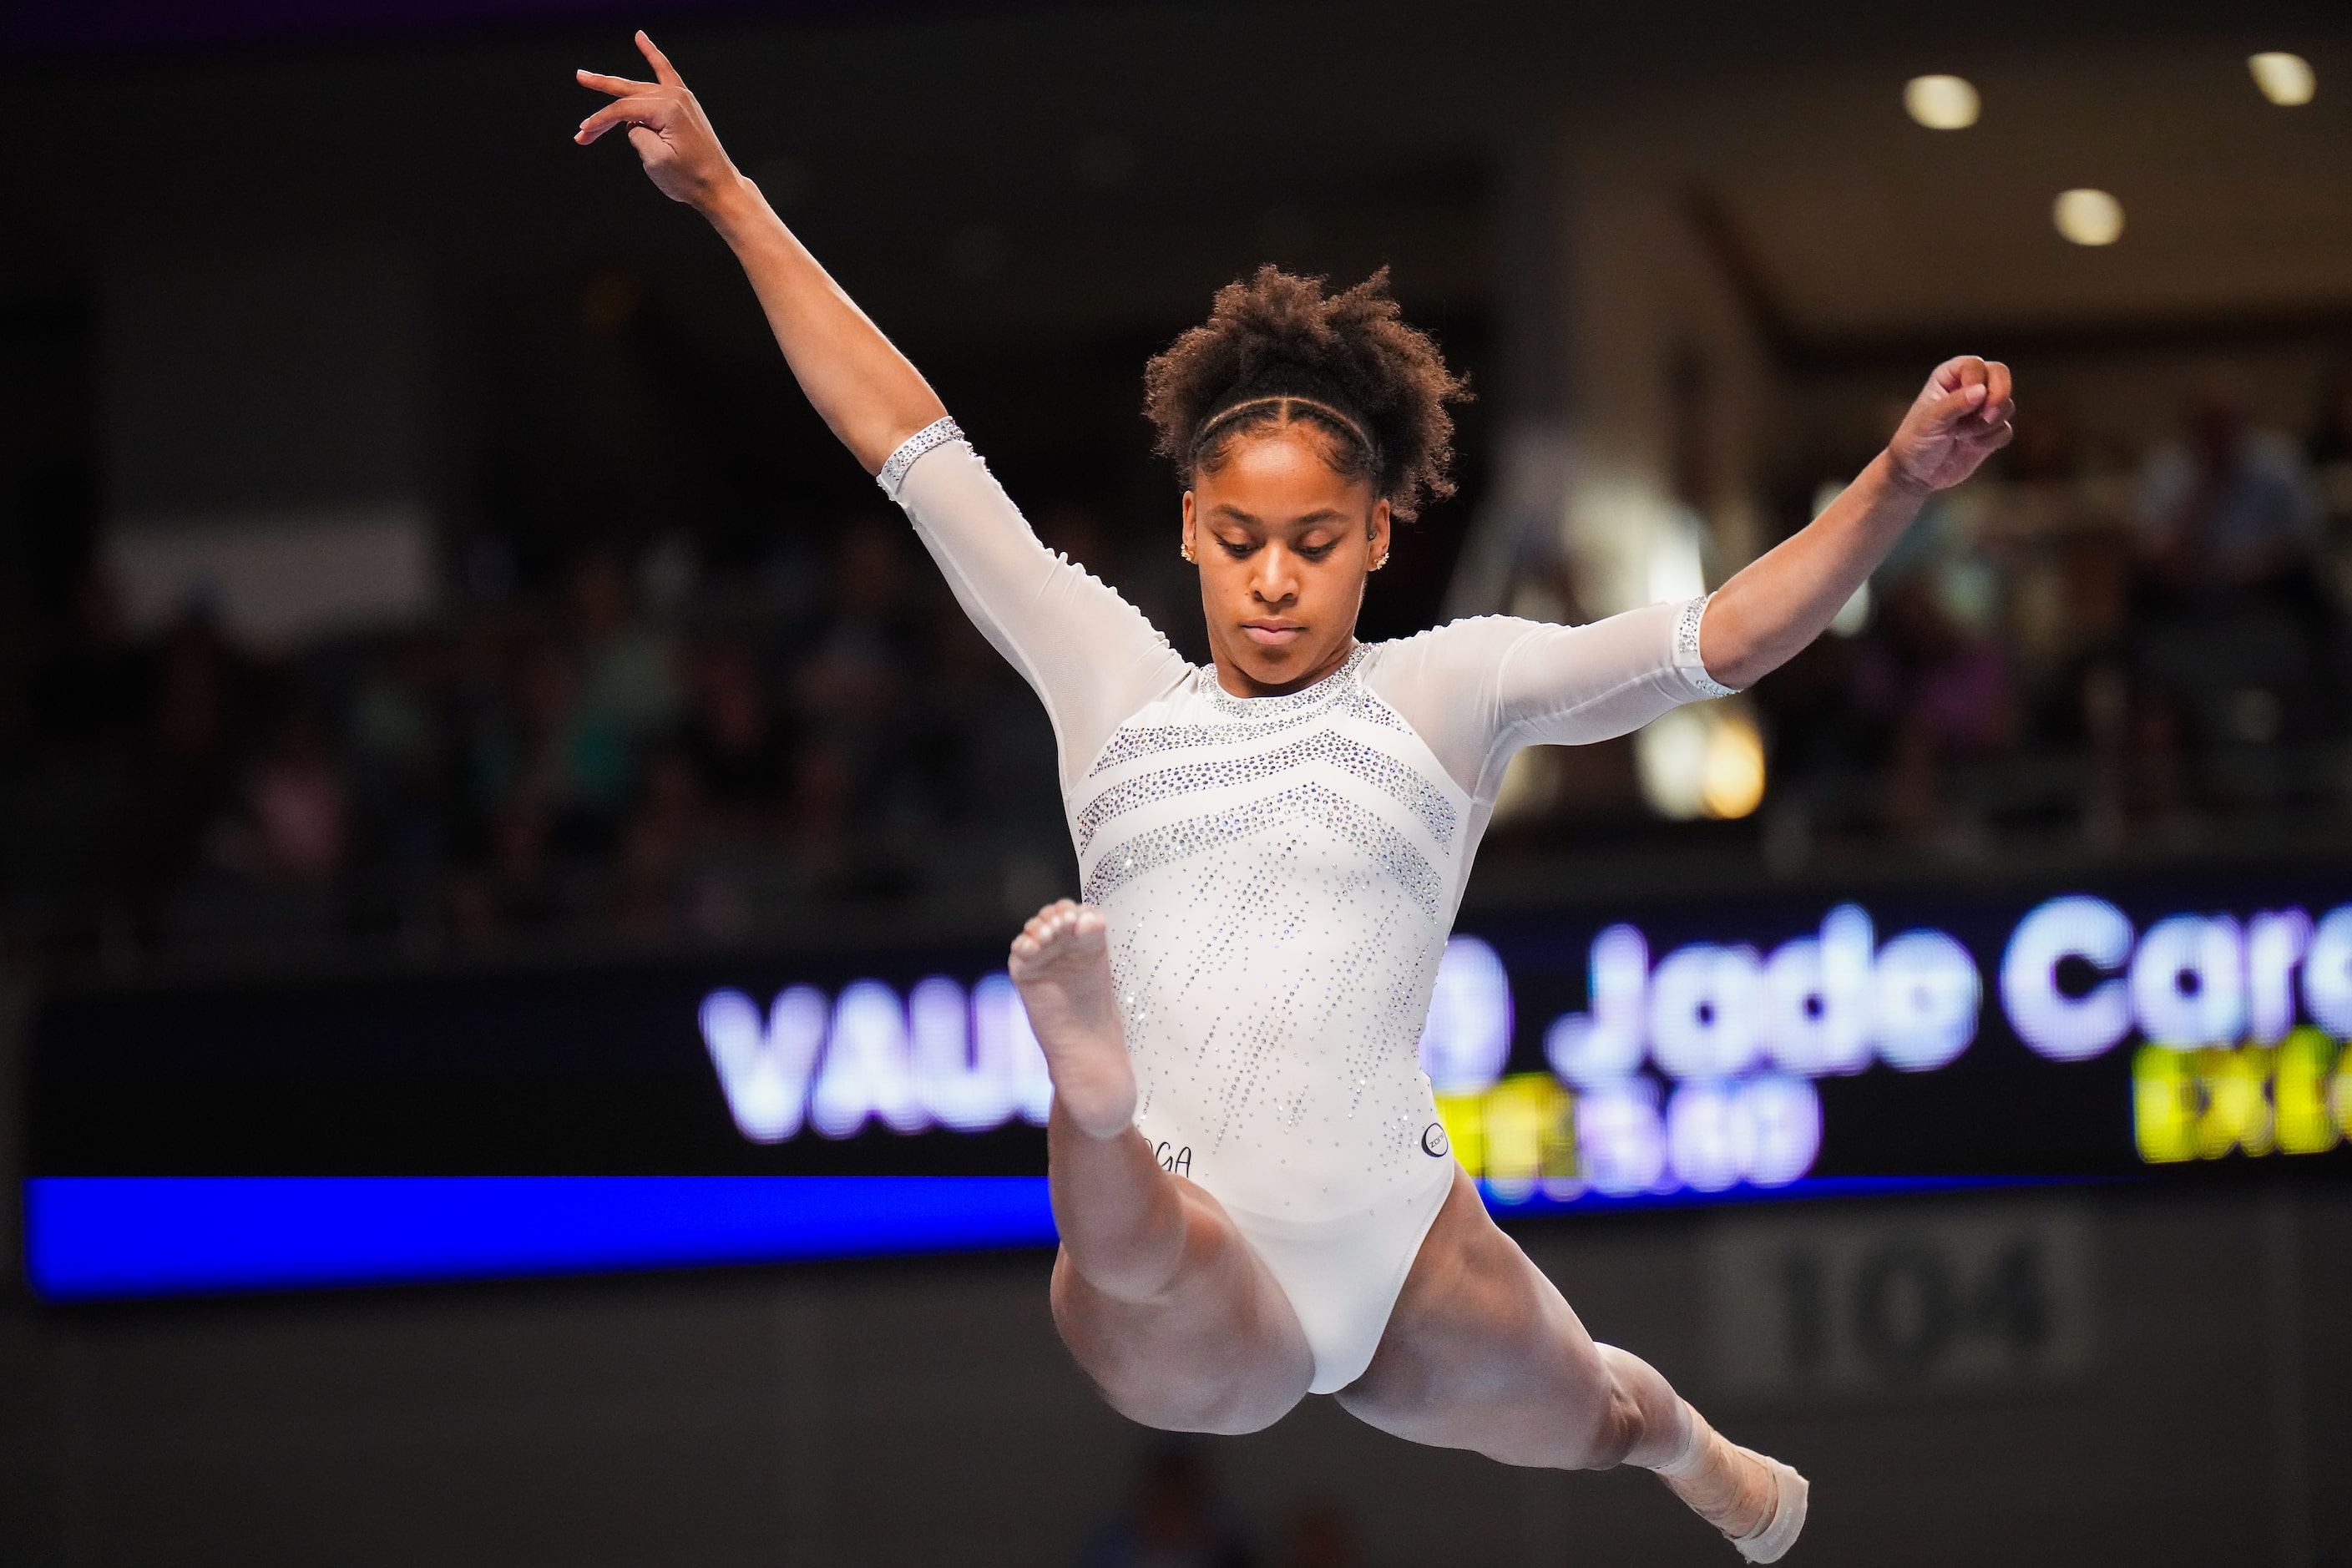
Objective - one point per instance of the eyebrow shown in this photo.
(1327, 514)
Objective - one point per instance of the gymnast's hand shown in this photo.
(1959, 418)
(667, 127)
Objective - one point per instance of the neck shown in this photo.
(1235, 681)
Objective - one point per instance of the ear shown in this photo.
(1189, 546)
(1382, 533)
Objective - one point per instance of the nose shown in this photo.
(1276, 581)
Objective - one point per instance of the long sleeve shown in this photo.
(1478, 690)
(1088, 653)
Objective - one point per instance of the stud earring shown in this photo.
(1186, 552)
(1377, 565)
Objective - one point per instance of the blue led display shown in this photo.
(90, 1237)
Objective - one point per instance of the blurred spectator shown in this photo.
(2231, 613)
(299, 813)
(397, 735)
(993, 745)
(739, 744)
(1174, 1522)
(2331, 430)
(653, 851)
(2229, 509)
(822, 820)
(515, 889)
(2329, 447)
(859, 771)
(620, 693)
(203, 705)
(1933, 670)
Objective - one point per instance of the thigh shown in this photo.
(1217, 1349)
(1483, 1353)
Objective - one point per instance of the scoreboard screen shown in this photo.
(757, 1109)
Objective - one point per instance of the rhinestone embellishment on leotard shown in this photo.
(1375, 768)
(938, 433)
(1687, 657)
(1255, 718)
(1389, 849)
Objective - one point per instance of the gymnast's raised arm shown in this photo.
(1785, 598)
(1090, 656)
(864, 389)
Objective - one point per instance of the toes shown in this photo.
(1056, 922)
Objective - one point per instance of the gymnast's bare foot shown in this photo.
(1758, 1502)
(1061, 964)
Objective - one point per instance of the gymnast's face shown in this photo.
(1284, 542)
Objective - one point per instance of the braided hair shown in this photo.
(1276, 350)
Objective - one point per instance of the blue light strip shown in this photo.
(1520, 1202)
(90, 1238)
(98, 1237)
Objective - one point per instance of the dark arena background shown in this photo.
(507, 849)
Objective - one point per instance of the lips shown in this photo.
(1273, 634)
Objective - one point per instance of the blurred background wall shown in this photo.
(413, 557)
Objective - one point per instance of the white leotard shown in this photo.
(1280, 873)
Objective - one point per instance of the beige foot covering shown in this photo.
(1769, 1540)
(1704, 1476)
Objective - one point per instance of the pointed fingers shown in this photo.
(618, 86)
(664, 72)
(648, 112)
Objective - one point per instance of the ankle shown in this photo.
(1690, 1456)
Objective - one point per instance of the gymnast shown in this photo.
(1253, 1192)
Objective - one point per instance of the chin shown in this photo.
(1273, 667)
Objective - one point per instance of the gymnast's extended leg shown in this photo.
(1483, 1353)
(1157, 1295)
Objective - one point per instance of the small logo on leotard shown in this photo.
(1432, 1141)
(1177, 1161)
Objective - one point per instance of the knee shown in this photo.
(1608, 1423)
(1229, 1411)
(1616, 1428)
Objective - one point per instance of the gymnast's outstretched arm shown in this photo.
(1478, 690)
(1785, 598)
(863, 387)
(1090, 655)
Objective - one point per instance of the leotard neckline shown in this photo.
(1285, 703)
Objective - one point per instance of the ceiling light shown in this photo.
(2285, 79)
(1941, 103)
(2088, 218)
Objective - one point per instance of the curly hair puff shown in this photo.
(1277, 350)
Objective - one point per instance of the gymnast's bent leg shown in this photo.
(1483, 1353)
(1157, 1295)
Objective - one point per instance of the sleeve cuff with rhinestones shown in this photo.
(938, 433)
(1686, 659)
